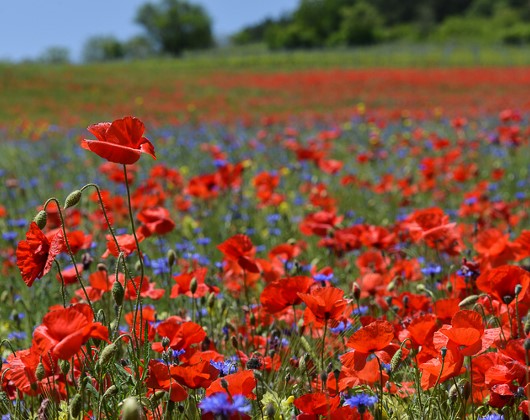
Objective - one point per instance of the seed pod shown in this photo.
(73, 198)
(76, 405)
(40, 219)
(112, 390)
(118, 293)
(193, 285)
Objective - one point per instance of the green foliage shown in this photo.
(56, 55)
(139, 47)
(360, 24)
(517, 35)
(102, 48)
(176, 25)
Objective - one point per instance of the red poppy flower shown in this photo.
(197, 375)
(181, 335)
(284, 292)
(36, 254)
(369, 339)
(121, 141)
(500, 282)
(156, 220)
(158, 378)
(317, 403)
(239, 248)
(324, 304)
(63, 331)
(240, 383)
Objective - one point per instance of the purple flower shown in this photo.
(219, 404)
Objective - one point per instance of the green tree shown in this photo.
(103, 48)
(360, 24)
(176, 25)
(56, 55)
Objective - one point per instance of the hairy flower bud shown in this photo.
(107, 354)
(40, 219)
(470, 300)
(171, 258)
(118, 293)
(76, 405)
(40, 373)
(73, 198)
(132, 410)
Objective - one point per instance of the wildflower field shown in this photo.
(311, 242)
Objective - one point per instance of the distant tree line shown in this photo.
(174, 26)
(323, 23)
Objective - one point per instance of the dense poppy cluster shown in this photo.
(366, 269)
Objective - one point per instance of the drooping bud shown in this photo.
(518, 289)
(396, 360)
(76, 405)
(40, 219)
(73, 198)
(112, 390)
(165, 342)
(356, 291)
(118, 293)
(470, 300)
(107, 354)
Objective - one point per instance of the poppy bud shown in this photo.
(443, 352)
(73, 198)
(107, 354)
(324, 378)
(118, 293)
(76, 405)
(138, 265)
(396, 359)
(132, 410)
(64, 365)
(157, 396)
(112, 390)
(165, 342)
(193, 285)
(171, 257)
(102, 267)
(40, 219)
(518, 289)
(40, 373)
(470, 300)
(356, 291)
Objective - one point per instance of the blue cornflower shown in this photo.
(160, 266)
(273, 218)
(219, 404)
(9, 236)
(492, 416)
(361, 401)
(323, 277)
(225, 367)
(431, 269)
(203, 241)
(17, 335)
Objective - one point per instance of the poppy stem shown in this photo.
(63, 292)
(69, 250)
(323, 345)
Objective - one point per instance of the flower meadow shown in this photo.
(366, 265)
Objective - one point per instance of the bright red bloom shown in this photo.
(500, 282)
(156, 220)
(240, 383)
(63, 331)
(181, 334)
(239, 248)
(324, 304)
(159, 378)
(369, 339)
(282, 293)
(121, 141)
(36, 254)
(317, 403)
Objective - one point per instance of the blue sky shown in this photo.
(28, 27)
